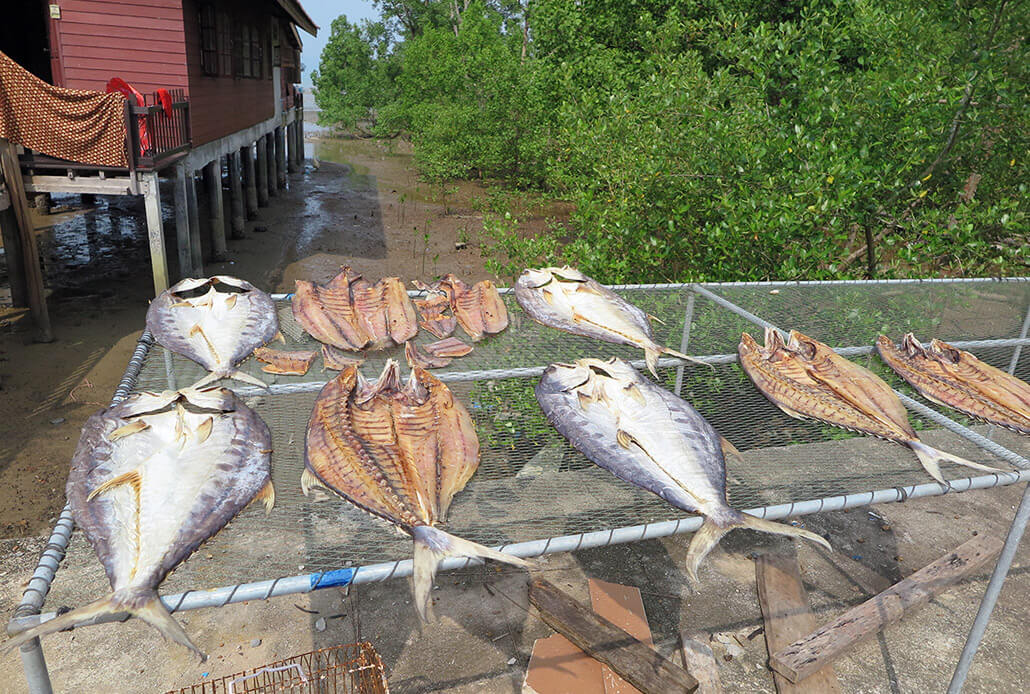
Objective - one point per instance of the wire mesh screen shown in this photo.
(354, 668)
(532, 485)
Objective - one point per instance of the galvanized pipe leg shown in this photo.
(688, 318)
(37, 676)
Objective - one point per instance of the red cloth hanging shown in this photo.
(117, 84)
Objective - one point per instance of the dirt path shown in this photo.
(362, 205)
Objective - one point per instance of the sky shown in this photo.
(323, 12)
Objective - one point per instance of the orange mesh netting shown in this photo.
(74, 124)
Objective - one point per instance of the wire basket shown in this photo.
(354, 668)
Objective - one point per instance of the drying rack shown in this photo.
(533, 495)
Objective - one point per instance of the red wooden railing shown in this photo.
(155, 138)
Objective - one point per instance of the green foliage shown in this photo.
(729, 139)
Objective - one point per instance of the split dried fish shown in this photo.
(566, 299)
(152, 479)
(448, 347)
(645, 435)
(955, 378)
(351, 313)
(218, 330)
(417, 357)
(290, 363)
(400, 452)
(808, 380)
(478, 308)
(431, 312)
(336, 359)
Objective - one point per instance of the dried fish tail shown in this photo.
(431, 546)
(145, 605)
(655, 350)
(931, 458)
(714, 527)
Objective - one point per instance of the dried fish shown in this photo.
(353, 314)
(479, 308)
(154, 477)
(431, 312)
(955, 378)
(291, 363)
(645, 435)
(448, 347)
(417, 357)
(218, 330)
(808, 380)
(400, 452)
(336, 359)
(566, 299)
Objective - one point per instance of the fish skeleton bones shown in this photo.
(566, 299)
(152, 479)
(218, 330)
(645, 435)
(808, 380)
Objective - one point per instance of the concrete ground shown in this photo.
(483, 635)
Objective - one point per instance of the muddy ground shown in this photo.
(363, 205)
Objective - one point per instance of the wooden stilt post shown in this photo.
(216, 210)
(183, 240)
(299, 122)
(235, 195)
(291, 158)
(193, 212)
(250, 184)
(27, 236)
(280, 158)
(262, 171)
(155, 231)
(272, 158)
(13, 253)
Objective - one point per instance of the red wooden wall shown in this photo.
(222, 105)
(141, 41)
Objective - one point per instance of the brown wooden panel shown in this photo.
(113, 63)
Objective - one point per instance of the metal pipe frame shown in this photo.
(28, 612)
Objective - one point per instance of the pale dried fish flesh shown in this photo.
(400, 452)
(448, 347)
(218, 330)
(566, 299)
(645, 435)
(153, 477)
(955, 378)
(417, 357)
(291, 363)
(808, 380)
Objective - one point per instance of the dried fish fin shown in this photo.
(280, 337)
(309, 480)
(197, 330)
(729, 449)
(132, 477)
(681, 355)
(235, 375)
(127, 430)
(267, 496)
(153, 612)
(431, 547)
(931, 457)
(203, 430)
(711, 531)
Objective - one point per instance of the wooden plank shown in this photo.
(27, 236)
(155, 232)
(120, 185)
(634, 661)
(809, 654)
(700, 662)
(787, 618)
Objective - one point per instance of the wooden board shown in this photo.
(634, 661)
(557, 666)
(788, 618)
(623, 607)
(811, 653)
(700, 662)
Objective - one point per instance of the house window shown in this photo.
(276, 59)
(208, 40)
(256, 54)
(225, 56)
(243, 67)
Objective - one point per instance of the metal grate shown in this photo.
(351, 669)
(532, 485)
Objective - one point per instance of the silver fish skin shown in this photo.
(217, 330)
(566, 299)
(152, 479)
(645, 435)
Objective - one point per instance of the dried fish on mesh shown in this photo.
(448, 347)
(337, 360)
(152, 479)
(432, 310)
(478, 308)
(955, 378)
(400, 452)
(645, 435)
(426, 360)
(808, 380)
(218, 330)
(287, 362)
(566, 299)
(351, 313)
